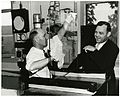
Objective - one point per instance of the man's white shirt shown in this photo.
(56, 48)
(99, 45)
(36, 54)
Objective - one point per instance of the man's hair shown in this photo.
(29, 42)
(104, 23)
(31, 37)
(54, 28)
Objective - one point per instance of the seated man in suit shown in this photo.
(98, 58)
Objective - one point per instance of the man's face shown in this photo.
(42, 39)
(101, 34)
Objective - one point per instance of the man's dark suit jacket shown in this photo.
(100, 61)
(105, 58)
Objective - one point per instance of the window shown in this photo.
(104, 11)
(7, 36)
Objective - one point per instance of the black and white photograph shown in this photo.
(60, 48)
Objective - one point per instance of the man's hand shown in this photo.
(74, 15)
(89, 48)
(69, 18)
(67, 22)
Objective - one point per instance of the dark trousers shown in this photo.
(84, 63)
(89, 66)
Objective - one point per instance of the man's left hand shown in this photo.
(69, 18)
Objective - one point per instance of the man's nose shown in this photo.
(96, 34)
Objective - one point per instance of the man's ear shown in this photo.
(108, 34)
(36, 39)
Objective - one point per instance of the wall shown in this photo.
(34, 7)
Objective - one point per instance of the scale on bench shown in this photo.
(63, 84)
(76, 83)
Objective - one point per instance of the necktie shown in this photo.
(47, 55)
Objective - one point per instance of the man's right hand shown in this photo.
(89, 48)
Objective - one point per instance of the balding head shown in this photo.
(37, 37)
